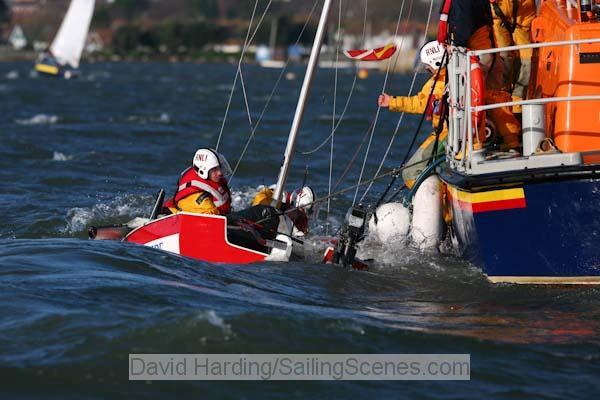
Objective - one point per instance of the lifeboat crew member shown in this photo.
(298, 205)
(431, 55)
(512, 26)
(202, 188)
(469, 24)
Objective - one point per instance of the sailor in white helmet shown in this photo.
(202, 188)
(432, 55)
(299, 204)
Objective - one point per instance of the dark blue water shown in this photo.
(95, 150)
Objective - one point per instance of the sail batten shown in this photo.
(70, 39)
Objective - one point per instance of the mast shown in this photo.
(308, 78)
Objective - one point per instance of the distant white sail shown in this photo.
(17, 38)
(70, 40)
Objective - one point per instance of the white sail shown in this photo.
(17, 38)
(70, 40)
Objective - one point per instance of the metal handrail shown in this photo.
(544, 100)
(532, 46)
(467, 142)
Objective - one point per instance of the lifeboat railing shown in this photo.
(460, 152)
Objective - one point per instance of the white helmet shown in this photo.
(432, 54)
(305, 198)
(207, 159)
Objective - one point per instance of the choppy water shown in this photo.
(95, 150)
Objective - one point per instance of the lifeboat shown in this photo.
(533, 217)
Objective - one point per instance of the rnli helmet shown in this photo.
(305, 199)
(432, 54)
(207, 159)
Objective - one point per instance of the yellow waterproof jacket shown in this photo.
(194, 203)
(525, 12)
(417, 104)
(263, 198)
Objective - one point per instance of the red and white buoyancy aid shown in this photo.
(442, 35)
(190, 182)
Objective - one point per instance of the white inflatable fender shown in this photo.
(427, 220)
(393, 223)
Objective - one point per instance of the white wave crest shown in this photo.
(12, 75)
(40, 119)
(163, 118)
(241, 199)
(121, 209)
(58, 156)
(215, 320)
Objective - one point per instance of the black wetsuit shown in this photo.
(465, 18)
(264, 219)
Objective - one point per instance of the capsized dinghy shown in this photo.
(231, 239)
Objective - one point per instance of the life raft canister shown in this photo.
(190, 182)
(477, 96)
(442, 35)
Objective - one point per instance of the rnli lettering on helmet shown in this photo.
(431, 51)
(201, 157)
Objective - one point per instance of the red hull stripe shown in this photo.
(487, 206)
(499, 205)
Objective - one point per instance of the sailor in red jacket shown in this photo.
(202, 188)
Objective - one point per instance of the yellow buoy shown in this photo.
(363, 73)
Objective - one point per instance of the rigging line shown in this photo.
(414, 138)
(394, 171)
(236, 75)
(350, 94)
(401, 118)
(333, 125)
(339, 121)
(268, 102)
(245, 96)
(353, 159)
(262, 17)
(352, 88)
(247, 42)
(239, 70)
(387, 73)
(364, 32)
(245, 48)
(262, 114)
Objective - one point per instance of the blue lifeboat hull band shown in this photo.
(554, 232)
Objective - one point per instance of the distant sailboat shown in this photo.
(62, 59)
(17, 38)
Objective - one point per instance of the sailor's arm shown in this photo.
(264, 197)
(410, 104)
(413, 104)
(198, 203)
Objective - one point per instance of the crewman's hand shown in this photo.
(384, 100)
